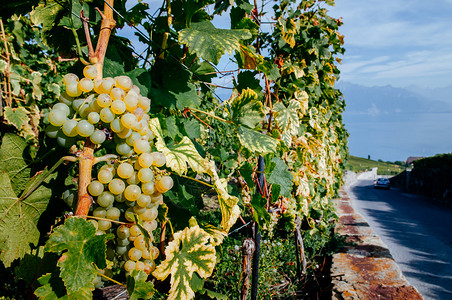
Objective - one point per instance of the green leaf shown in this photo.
(36, 82)
(280, 175)
(82, 249)
(138, 287)
(260, 214)
(247, 109)
(213, 295)
(219, 41)
(13, 162)
(189, 252)
(19, 219)
(287, 119)
(256, 141)
(46, 14)
(16, 116)
(52, 287)
(193, 128)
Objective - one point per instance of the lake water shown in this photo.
(396, 136)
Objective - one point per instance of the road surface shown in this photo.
(418, 233)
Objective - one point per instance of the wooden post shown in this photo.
(248, 248)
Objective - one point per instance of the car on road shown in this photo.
(382, 183)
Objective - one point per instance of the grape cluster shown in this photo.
(108, 105)
(129, 187)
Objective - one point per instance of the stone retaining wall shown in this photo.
(365, 270)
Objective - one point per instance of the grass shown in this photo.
(359, 164)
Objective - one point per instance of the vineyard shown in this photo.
(132, 168)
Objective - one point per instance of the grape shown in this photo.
(118, 107)
(129, 120)
(104, 225)
(107, 84)
(156, 197)
(134, 254)
(132, 138)
(115, 125)
(73, 89)
(86, 85)
(106, 199)
(90, 71)
(129, 266)
(84, 110)
(138, 210)
(63, 107)
(133, 179)
(150, 225)
(131, 102)
(132, 192)
(98, 86)
(93, 117)
(144, 103)
(66, 99)
(145, 160)
(129, 215)
(140, 243)
(100, 212)
(135, 230)
(100, 232)
(116, 186)
(123, 242)
(139, 266)
(97, 282)
(120, 198)
(77, 103)
(85, 128)
(69, 78)
(57, 117)
(148, 188)
(123, 232)
(149, 214)
(117, 93)
(125, 133)
(98, 137)
(125, 170)
(69, 128)
(123, 149)
(144, 200)
(124, 82)
(113, 213)
(164, 184)
(141, 146)
(106, 115)
(105, 176)
(145, 254)
(94, 222)
(159, 159)
(93, 106)
(104, 100)
(136, 165)
(145, 175)
(149, 266)
(120, 250)
(95, 188)
(154, 252)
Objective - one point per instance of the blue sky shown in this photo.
(395, 42)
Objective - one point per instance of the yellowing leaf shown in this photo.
(247, 109)
(189, 252)
(256, 141)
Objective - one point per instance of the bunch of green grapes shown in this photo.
(129, 188)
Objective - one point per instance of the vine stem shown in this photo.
(87, 159)
(9, 100)
(212, 116)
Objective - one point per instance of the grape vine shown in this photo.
(155, 142)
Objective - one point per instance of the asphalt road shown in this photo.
(418, 233)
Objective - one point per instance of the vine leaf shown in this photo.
(180, 154)
(51, 288)
(219, 41)
(46, 14)
(12, 161)
(183, 154)
(256, 141)
(82, 247)
(279, 174)
(287, 119)
(247, 109)
(189, 252)
(18, 219)
(17, 117)
(138, 287)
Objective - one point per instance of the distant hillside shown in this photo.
(359, 164)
